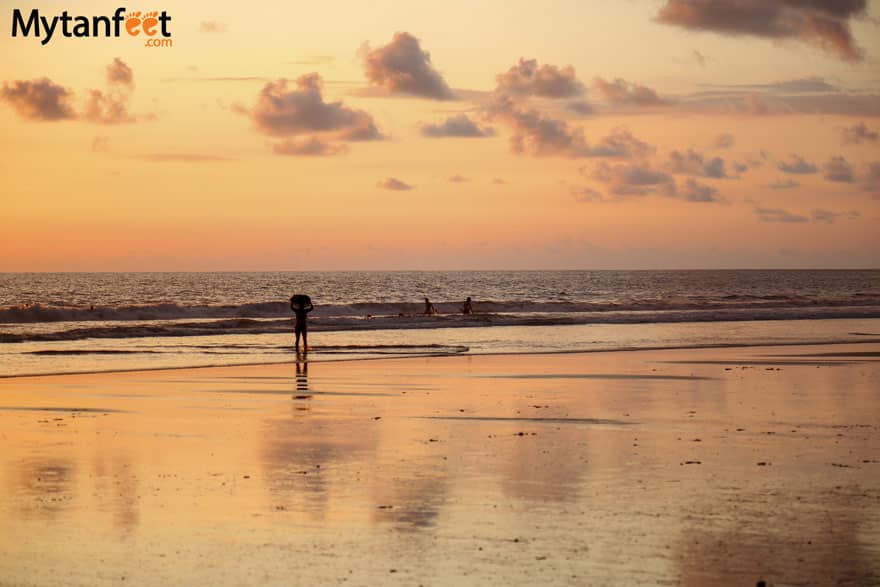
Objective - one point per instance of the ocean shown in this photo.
(87, 322)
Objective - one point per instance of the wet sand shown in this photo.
(686, 467)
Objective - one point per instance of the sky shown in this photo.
(342, 135)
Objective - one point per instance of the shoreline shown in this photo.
(461, 354)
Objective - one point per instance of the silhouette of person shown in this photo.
(467, 308)
(301, 306)
(430, 310)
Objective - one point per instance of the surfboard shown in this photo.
(300, 301)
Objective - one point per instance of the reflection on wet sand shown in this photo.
(44, 487)
(300, 451)
(621, 469)
(780, 537)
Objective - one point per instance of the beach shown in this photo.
(677, 467)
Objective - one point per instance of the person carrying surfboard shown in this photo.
(301, 306)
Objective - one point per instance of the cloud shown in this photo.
(871, 179)
(499, 181)
(584, 195)
(286, 112)
(100, 144)
(109, 108)
(698, 58)
(45, 100)
(779, 215)
(724, 141)
(737, 100)
(822, 23)
(798, 166)
(858, 134)
(540, 135)
(828, 216)
(183, 158)
(212, 26)
(527, 78)
(838, 169)
(620, 143)
(118, 73)
(783, 184)
(40, 99)
(314, 60)
(620, 91)
(694, 163)
(695, 191)
(537, 134)
(402, 66)
(637, 179)
(394, 184)
(308, 147)
(459, 179)
(581, 107)
(457, 126)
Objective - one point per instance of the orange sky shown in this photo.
(722, 145)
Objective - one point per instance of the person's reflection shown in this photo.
(302, 380)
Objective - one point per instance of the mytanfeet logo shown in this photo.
(153, 24)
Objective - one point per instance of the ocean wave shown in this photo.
(59, 312)
(328, 323)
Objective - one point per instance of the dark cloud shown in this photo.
(459, 179)
(282, 111)
(783, 184)
(40, 99)
(797, 166)
(402, 66)
(828, 216)
(779, 215)
(739, 167)
(309, 147)
(527, 78)
(212, 26)
(858, 134)
(457, 126)
(695, 191)
(581, 107)
(394, 184)
(118, 73)
(822, 23)
(638, 179)
(694, 163)
(838, 169)
(724, 141)
(620, 91)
